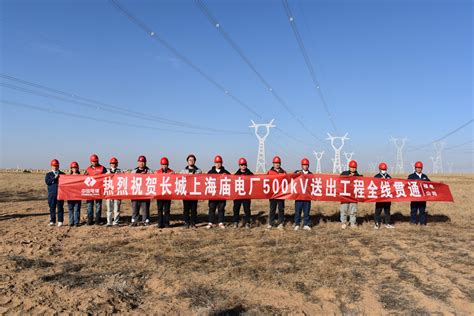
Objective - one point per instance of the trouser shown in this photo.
(237, 205)
(220, 206)
(144, 206)
(90, 211)
(385, 207)
(304, 206)
(281, 211)
(190, 206)
(415, 208)
(113, 211)
(54, 204)
(74, 210)
(350, 208)
(164, 207)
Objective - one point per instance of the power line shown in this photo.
(187, 61)
(75, 115)
(460, 145)
(419, 147)
(180, 56)
(214, 22)
(307, 60)
(101, 105)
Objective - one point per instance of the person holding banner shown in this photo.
(164, 206)
(218, 168)
(190, 206)
(243, 170)
(303, 205)
(274, 203)
(385, 206)
(74, 207)
(51, 179)
(113, 206)
(93, 170)
(346, 207)
(143, 205)
(418, 206)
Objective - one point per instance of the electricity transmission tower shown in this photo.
(318, 156)
(348, 157)
(336, 161)
(399, 144)
(372, 167)
(261, 143)
(438, 159)
(450, 167)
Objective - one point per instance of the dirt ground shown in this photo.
(96, 269)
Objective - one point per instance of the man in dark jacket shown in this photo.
(243, 170)
(350, 207)
(190, 206)
(143, 205)
(385, 206)
(418, 206)
(218, 168)
(51, 179)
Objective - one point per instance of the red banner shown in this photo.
(319, 187)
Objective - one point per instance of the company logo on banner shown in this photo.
(230, 187)
(90, 191)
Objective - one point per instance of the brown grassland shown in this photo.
(96, 269)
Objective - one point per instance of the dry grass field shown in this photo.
(96, 269)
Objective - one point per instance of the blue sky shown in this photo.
(386, 68)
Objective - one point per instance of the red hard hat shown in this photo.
(383, 166)
(242, 161)
(74, 164)
(189, 156)
(218, 159)
(305, 161)
(164, 161)
(113, 160)
(418, 164)
(94, 158)
(141, 159)
(276, 159)
(55, 162)
(352, 164)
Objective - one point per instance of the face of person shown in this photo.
(55, 168)
(383, 171)
(276, 165)
(74, 170)
(243, 167)
(113, 165)
(218, 165)
(352, 170)
(191, 161)
(418, 170)
(141, 164)
(164, 167)
(94, 163)
(305, 167)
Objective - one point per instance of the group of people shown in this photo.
(417, 214)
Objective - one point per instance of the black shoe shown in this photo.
(90, 222)
(134, 224)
